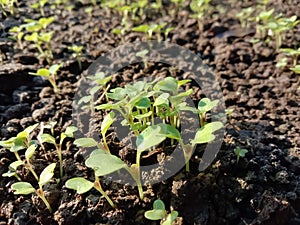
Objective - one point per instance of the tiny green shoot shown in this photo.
(239, 152)
(50, 74)
(160, 213)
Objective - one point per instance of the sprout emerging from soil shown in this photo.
(240, 152)
(50, 74)
(160, 213)
(25, 188)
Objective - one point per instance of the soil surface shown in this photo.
(262, 188)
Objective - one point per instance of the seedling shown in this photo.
(38, 25)
(101, 82)
(204, 106)
(282, 62)
(240, 152)
(149, 30)
(102, 164)
(25, 188)
(200, 8)
(245, 16)
(19, 34)
(40, 4)
(50, 139)
(159, 212)
(77, 52)
(50, 74)
(292, 52)
(40, 40)
(142, 54)
(8, 5)
(20, 142)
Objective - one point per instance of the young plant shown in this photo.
(204, 106)
(239, 152)
(50, 74)
(159, 212)
(8, 6)
(51, 140)
(77, 53)
(41, 42)
(20, 142)
(40, 5)
(102, 164)
(200, 8)
(18, 31)
(101, 83)
(149, 30)
(25, 188)
(142, 54)
(292, 52)
(245, 16)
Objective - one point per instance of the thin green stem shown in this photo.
(41, 194)
(98, 187)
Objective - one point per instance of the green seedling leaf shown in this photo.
(48, 138)
(9, 174)
(155, 214)
(42, 72)
(70, 131)
(85, 99)
(142, 28)
(105, 106)
(117, 93)
(107, 122)
(182, 82)
(170, 218)
(14, 165)
(46, 37)
(47, 174)
(30, 151)
(158, 212)
(8, 143)
(54, 68)
(85, 142)
(205, 133)
(296, 69)
(80, 184)
(44, 22)
(33, 37)
(240, 152)
(162, 99)
(205, 105)
(18, 145)
(142, 53)
(22, 188)
(150, 137)
(145, 115)
(29, 129)
(104, 164)
(168, 84)
(143, 103)
(180, 97)
(159, 204)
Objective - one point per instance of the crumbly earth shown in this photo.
(262, 188)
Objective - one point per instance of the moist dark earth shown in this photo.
(262, 188)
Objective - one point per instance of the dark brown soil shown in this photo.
(263, 188)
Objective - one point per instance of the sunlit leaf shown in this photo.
(80, 184)
(22, 188)
(47, 174)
